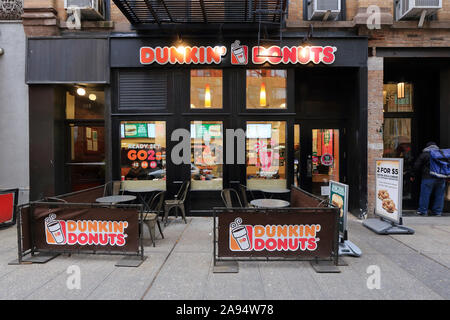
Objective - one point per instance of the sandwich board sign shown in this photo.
(389, 189)
(339, 193)
(388, 197)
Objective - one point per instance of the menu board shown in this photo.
(202, 131)
(389, 188)
(138, 130)
(259, 131)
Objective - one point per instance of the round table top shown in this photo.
(142, 190)
(270, 203)
(116, 199)
(276, 190)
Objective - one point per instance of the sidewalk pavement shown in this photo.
(180, 267)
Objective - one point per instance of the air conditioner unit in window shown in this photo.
(413, 9)
(323, 9)
(90, 9)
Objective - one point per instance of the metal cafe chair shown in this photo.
(177, 203)
(227, 197)
(152, 217)
(243, 190)
(112, 188)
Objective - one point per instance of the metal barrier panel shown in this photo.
(302, 199)
(8, 205)
(62, 227)
(83, 196)
(288, 233)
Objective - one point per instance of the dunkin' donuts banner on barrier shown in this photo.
(276, 234)
(389, 188)
(99, 229)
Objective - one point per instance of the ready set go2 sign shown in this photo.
(389, 188)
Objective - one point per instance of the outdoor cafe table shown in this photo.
(142, 195)
(276, 191)
(115, 199)
(269, 203)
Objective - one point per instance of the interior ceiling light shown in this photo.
(92, 97)
(401, 90)
(81, 91)
(207, 96)
(262, 96)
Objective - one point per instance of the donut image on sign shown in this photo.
(383, 194)
(389, 205)
(338, 202)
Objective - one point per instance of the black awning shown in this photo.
(144, 12)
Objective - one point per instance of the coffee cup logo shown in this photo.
(240, 234)
(239, 53)
(54, 227)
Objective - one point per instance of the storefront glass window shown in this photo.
(397, 97)
(397, 144)
(143, 154)
(90, 105)
(206, 155)
(266, 154)
(206, 89)
(266, 89)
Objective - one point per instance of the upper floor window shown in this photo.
(206, 89)
(11, 9)
(397, 97)
(266, 89)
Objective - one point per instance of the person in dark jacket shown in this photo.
(429, 184)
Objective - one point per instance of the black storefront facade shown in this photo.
(313, 127)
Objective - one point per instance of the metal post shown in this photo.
(19, 235)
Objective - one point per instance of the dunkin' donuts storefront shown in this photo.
(303, 107)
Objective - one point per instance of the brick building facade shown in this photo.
(388, 40)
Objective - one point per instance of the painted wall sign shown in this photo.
(239, 54)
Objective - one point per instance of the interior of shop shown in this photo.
(416, 103)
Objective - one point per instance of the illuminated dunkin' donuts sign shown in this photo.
(239, 54)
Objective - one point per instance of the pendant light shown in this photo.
(262, 96)
(81, 91)
(207, 96)
(401, 90)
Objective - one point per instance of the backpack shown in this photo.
(440, 163)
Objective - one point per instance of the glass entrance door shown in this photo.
(318, 156)
(85, 138)
(324, 158)
(87, 156)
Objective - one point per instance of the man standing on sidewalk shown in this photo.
(429, 184)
